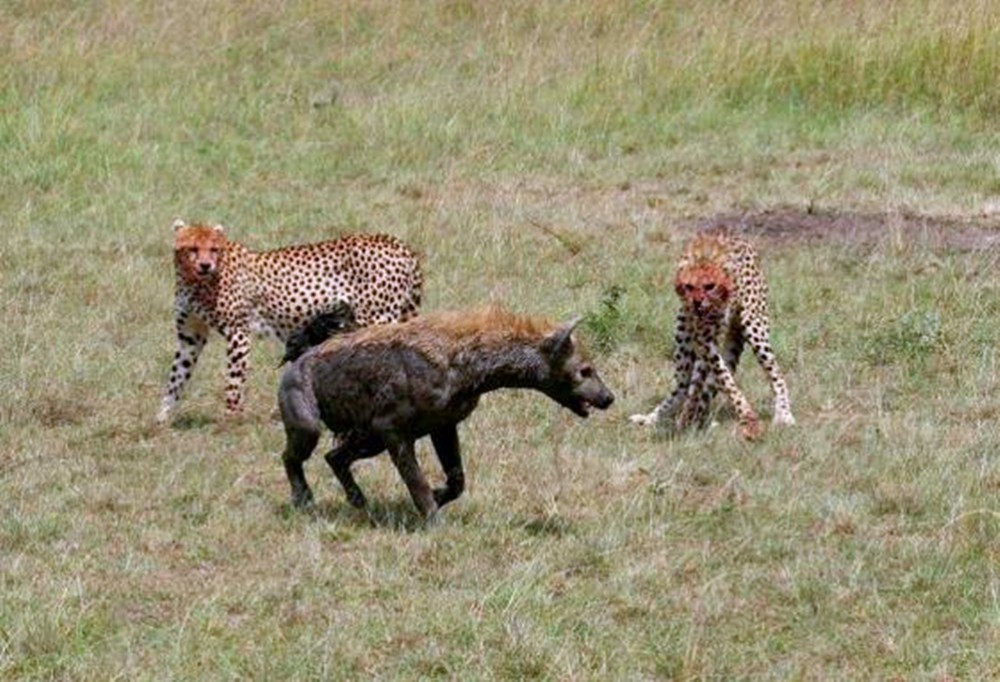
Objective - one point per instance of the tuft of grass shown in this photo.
(606, 323)
(913, 337)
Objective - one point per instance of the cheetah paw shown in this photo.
(784, 419)
(751, 430)
(644, 419)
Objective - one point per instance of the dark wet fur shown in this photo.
(339, 320)
(382, 388)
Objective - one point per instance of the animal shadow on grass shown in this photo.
(395, 514)
(193, 420)
(553, 526)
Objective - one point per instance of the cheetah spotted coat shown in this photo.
(225, 286)
(724, 305)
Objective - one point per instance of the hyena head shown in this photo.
(703, 288)
(572, 380)
(198, 250)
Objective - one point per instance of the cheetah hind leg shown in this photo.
(694, 411)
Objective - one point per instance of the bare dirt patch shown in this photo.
(791, 225)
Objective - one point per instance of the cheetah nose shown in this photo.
(204, 268)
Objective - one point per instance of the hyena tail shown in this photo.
(338, 320)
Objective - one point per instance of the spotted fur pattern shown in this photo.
(225, 286)
(723, 306)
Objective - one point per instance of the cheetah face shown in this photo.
(198, 251)
(704, 288)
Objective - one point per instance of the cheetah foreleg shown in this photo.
(684, 361)
(749, 422)
(782, 404)
(237, 363)
(192, 334)
(761, 345)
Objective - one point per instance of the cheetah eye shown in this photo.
(709, 286)
(688, 287)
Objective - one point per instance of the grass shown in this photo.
(555, 156)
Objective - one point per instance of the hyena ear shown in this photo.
(559, 343)
(179, 223)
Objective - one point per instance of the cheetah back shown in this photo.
(377, 275)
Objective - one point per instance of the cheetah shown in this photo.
(723, 300)
(223, 285)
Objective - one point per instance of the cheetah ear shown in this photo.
(179, 223)
(219, 228)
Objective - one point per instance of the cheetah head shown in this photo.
(704, 288)
(198, 250)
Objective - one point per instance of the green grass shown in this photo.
(552, 155)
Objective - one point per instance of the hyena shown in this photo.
(385, 387)
(339, 320)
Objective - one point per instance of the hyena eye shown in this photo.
(586, 371)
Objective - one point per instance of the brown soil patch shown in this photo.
(794, 225)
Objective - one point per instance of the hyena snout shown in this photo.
(582, 393)
(594, 392)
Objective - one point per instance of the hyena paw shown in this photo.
(644, 419)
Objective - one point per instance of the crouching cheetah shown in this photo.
(225, 286)
(723, 300)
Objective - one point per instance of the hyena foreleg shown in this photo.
(445, 442)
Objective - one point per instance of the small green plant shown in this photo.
(606, 323)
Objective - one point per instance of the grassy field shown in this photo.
(554, 156)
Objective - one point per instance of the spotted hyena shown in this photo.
(388, 386)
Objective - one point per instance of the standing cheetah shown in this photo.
(723, 299)
(223, 285)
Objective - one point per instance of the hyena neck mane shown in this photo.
(493, 348)
(482, 350)
(499, 363)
